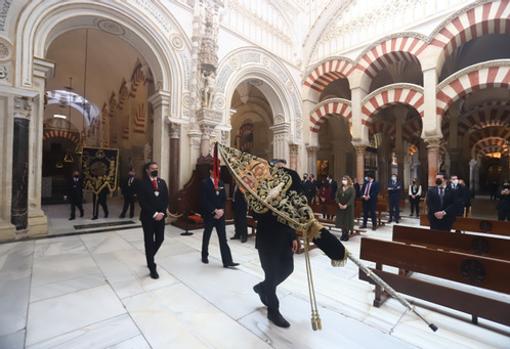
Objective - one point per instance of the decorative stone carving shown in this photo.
(147, 152)
(111, 27)
(209, 84)
(4, 10)
(4, 75)
(176, 41)
(175, 130)
(22, 107)
(5, 50)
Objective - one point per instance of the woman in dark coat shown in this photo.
(345, 197)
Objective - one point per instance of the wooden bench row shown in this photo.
(486, 226)
(459, 258)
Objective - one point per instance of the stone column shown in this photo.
(293, 152)
(20, 162)
(194, 140)
(400, 113)
(37, 220)
(473, 167)
(312, 159)
(175, 150)
(431, 121)
(7, 230)
(205, 139)
(433, 145)
(281, 141)
(160, 102)
(360, 162)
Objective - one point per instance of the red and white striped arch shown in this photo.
(488, 18)
(74, 137)
(489, 132)
(328, 71)
(489, 145)
(384, 97)
(411, 130)
(480, 119)
(477, 77)
(332, 106)
(386, 52)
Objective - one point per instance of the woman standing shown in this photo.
(345, 213)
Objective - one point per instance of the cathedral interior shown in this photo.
(332, 88)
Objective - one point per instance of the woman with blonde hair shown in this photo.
(345, 197)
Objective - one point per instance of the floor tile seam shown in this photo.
(77, 329)
(67, 293)
(29, 295)
(116, 295)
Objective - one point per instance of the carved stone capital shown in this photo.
(433, 142)
(22, 107)
(175, 130)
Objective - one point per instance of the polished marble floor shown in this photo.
(93, 291)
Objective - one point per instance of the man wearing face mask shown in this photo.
(76, 195)
(460, 195)
(369, 193)
(414, 197)
(129, 192)
(394, 193)
(504, 203)
(152, 194)
(442, 205)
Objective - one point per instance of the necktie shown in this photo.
(367, 190)
(155, 184)
(441, 195)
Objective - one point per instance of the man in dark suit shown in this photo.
(152, 193)
(240, 207)
(213, 212)
(442, 205)
(394, 193)
(276, 243)
(100, 199)
(309, 188)
(460, 194)
(128, 190)
(369, 193)
(76, 194)
(333, 187)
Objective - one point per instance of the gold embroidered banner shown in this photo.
(100, 168)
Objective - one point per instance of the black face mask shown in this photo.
(439, 181)
(154, 173)
(76, 177)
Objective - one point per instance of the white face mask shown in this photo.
(393, 178)
(366, 179)
(344, 182)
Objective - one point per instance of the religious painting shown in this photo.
(322, 168)
(245, 137)
(100, 168)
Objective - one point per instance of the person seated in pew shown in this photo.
(443, 204)
(503, 207)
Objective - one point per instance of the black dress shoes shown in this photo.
(205, 260)
(71, 218)
(276, 318)
(364, 226)
(154, 274)
(94, 218)
(230, 265)
(260, 291)
(235, 237)
(244, 239)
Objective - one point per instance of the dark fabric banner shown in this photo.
(100, 168)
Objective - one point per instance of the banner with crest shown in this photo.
(100, 168)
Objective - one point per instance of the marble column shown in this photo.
(205, 140)
(194, 140)
(20, 163)
(433, 145)
(360, 162)
(175, 151)
(281, 141)
(473, 167)
(431, 121)
(400, 113)
(312, 159)
(160, 102)
(7, 230)
(293, 153)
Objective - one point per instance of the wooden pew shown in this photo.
(487, 273)
(464, 224)
(465, 243)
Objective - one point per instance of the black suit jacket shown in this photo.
(239, 203)
(273, 236)
(334, 188)
(75, 191)
(374, 191)
(450, 205)
(211, 199)
(149, 202)
(126, 189)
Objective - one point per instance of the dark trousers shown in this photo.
(240, 224)
(440, 224)
(219, 224)
(369, 211)
(394, 208)
(129, 201)
(277, 266)
(99, 200)
(153, 236)
(504, 215)
(415, 206)
(74, 204)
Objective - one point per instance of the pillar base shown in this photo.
(37, 225)
(7, 231)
